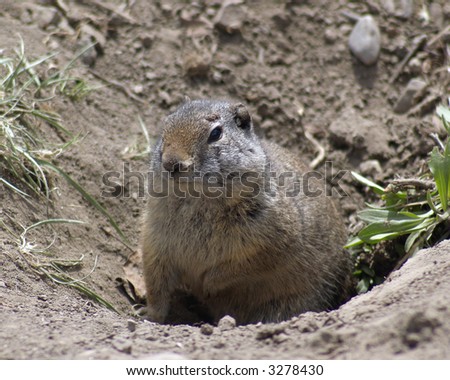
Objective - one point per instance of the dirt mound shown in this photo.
(291, 65)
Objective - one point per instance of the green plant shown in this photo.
(27, 157)
(411, 209)
(28, 153)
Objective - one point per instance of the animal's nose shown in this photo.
(174, 164)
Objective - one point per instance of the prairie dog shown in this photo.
(225, 221)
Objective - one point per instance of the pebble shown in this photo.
(196, 65)
(138, 89)
(364, 41)
(231, 20)
(206, 329)
(122, 345)
(405, 9)
(330, 36)
(370, 168)
(267, 332)
(399, 8)
(410, 95)
(281, 20)
(3, 284)
(147, 40)
(131, 324)
(89, 57)
(227, 323)
(48, 17)
(219, 344)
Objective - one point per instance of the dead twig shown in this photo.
(105, 7)
(223, 7)
(117, 85)
(350, 15)
(425, 105)
(437, 38)
(437, 140)
(403, 183)
(418, 44)
(321, 151)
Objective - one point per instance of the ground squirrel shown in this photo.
(225, 221)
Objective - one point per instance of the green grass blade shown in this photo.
(377, 232)
(353, 242)
(439, 165)
(53, 221)
(12, 187)
(86, 195)
(376, 188)
(444, 113)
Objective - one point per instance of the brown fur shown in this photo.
(265, 257)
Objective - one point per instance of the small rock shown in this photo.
(48, 17)
(280, 338)
(131, 324)
(138, 89)
(219, 344)
(330, 36)
(306, 325)
(226, 323)
(3, 284)
(89, 57)
(147, 41)
(95, 35)
(206, 329)
(196, 65)
(137, 45)
(415, 66)
(411, 94)
(107, 230)
(281, 20)
(270, 331)
(122, 345)
(399, 8)
(231, 20)
(370, 168)
(272, 93)
(364, 41)
(405, 9)
(388, 6)
(151, 75)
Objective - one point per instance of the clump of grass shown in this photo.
(414, 212)
(28, 158)
(41, 260)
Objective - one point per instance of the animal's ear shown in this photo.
(242, 116)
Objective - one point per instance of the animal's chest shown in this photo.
(199, 237)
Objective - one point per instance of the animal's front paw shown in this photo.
(155, 315)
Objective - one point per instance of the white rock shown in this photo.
(364, 41)
(226, 323)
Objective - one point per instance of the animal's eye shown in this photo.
(215, 134)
